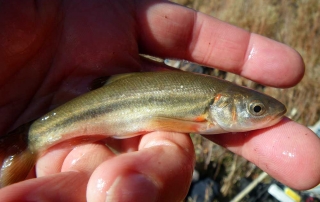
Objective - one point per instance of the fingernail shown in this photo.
(132, 187)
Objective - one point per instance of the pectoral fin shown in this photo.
(183, 126)
(175, 125)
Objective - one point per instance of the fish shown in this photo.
(133, 104)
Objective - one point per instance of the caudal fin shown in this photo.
(15, 158)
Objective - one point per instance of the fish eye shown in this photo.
(257, 108)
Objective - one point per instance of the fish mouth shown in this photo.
(283, 112)
(276, 118)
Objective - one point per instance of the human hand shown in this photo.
(51, 52)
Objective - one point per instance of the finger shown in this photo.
(83, 158)
(169, 30)
(163, 165)
(76, 166)
(86, 158)
(67, 186)
(51, 162)
(286, 151)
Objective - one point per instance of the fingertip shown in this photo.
(132, 186)
(298, 151)
(272, 63)
(166, 139)
(287, 152)
(86, 158)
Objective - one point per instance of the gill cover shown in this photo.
(236, 112)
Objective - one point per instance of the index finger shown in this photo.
(172, 31)
(287, 151)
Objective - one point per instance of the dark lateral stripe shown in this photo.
(114, 106)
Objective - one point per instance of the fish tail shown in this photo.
(15, 157)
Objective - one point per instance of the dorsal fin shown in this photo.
(99, 82)
(118, 77)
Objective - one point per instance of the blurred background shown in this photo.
(220, 174)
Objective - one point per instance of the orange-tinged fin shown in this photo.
(167, 124)
(183, 126)
(15, 157)
(174, 125)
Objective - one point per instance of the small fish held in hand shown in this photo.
(133, 104)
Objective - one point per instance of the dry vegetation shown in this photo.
(295, 23)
